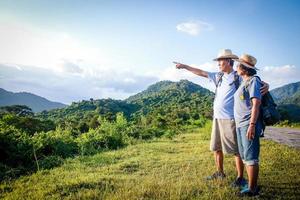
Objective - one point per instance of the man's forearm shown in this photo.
(196, 71)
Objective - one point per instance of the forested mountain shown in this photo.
(158, 88)
(36, 103)
(85, 110)
(288, 99)
(287, 94)
(167, 97)
(182, 98)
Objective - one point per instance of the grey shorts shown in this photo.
(223, 136)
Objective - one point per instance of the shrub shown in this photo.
(15, 147)
(50, 162)
(59, 142)
(109, 135)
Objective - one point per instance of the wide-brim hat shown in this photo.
(225, 54)
(247, 60)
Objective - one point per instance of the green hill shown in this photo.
(183, 86)
(86, 109)
(287, 94)
(165, 98)
(36, 103)
(288, 99)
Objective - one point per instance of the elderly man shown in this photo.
(223, 136)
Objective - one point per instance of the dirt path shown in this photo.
(287, 136)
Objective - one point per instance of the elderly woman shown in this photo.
(247, 100)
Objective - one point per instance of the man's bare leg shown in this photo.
(219, 161)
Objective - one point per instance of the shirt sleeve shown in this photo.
(212, 76)
(254, 89)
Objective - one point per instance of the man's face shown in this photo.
(224, 65)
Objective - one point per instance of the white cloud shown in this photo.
(68, 67)
(24, 44)
(70, 86)
(194, 28)
(278, 76)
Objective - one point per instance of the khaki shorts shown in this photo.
(223, 136)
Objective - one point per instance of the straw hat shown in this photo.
(224, 54)
(247, 60)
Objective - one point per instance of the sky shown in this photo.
(70, 50)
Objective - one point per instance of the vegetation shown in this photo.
(32, 142)
(289, 93)
(158, 169)
(288, 99)
(124, 149)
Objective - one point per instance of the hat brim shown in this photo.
(245, 64)
(226, 57)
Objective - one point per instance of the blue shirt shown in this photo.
(242, 101)
(224, 99)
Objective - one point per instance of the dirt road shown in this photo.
(287, 136)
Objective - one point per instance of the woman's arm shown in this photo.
(253, 119)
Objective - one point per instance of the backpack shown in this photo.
(269, 115)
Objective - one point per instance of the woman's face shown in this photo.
(239, 70)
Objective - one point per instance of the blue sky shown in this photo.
(72, 50)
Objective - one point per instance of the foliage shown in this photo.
(42, 141)
(15, 151)
(59, 143)
(28, 124)
(161, 169)
(19, 110)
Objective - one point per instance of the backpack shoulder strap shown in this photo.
(236, 80)
(248, 81)
(219, 78)
(218, 81)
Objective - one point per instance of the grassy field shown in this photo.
(160, 169)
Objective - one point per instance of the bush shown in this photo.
(16, 152)
(28, 124)
(59, 143)
(15, 147)
(170, 134)
(109, 135)
(50, 162)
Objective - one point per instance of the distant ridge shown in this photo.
(289, 93)
(35, 102)
(288, 99)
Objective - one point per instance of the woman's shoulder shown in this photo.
(255, 80)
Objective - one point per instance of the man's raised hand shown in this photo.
(179, 65)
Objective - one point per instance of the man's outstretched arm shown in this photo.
(196, 71)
